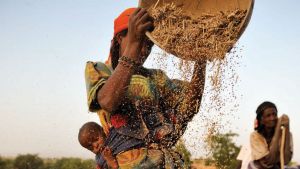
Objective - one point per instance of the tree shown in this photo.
(2, 163)
(28, 161)
(74, 163)
(68, 163)
(6, 163)
(49, 163)
(223, 150)
(181, 148)
(88, 164)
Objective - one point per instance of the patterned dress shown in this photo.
(151, 108)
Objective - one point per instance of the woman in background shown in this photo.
(265, 140)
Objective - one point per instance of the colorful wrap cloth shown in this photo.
(148, 98)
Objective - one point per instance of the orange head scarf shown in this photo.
(120, 24)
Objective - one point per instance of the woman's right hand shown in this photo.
(284, 120)
(139, 23)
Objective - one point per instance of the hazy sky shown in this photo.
(44, 46)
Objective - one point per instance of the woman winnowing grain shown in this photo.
(142, 111)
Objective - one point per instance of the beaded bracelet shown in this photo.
(128, 62)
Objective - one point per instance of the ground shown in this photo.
(199, 164)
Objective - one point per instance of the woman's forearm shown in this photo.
(111, 95)
(272, 158)
(193, 96)
(287, 147)
(197, 83)
(274, 155)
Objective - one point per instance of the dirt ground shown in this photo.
(199, 164)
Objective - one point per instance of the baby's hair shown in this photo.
(89, 127)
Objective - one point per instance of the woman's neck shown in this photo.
(268, 133)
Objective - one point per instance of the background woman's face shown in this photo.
(269, 117)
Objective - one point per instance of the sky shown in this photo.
(44, 46)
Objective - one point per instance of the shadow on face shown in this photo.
(269, 117)
(146, 48)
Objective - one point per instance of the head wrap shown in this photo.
(120, 24)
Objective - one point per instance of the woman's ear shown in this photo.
(119, 38)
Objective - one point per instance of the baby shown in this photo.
(92, 137)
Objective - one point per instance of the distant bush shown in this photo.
(33, 161)
(28, 161)
(6, 163)
(223, 150)
(74, 163)
(186, 155)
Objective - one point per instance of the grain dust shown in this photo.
(210, 37)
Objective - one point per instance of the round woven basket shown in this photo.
(197, 8)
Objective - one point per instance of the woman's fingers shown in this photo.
(133, 16)
(146, 27)
(140, 13)
(139, 22)
(145, 23)
(284, 120)
(136, 11)
(143, 19)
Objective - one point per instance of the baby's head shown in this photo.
(92, 137)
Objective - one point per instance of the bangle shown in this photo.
(130, 61)
(126, 64)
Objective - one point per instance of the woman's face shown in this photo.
(147, 46)
(269, 117)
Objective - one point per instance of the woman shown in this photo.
(265, 140)
(142, 111)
